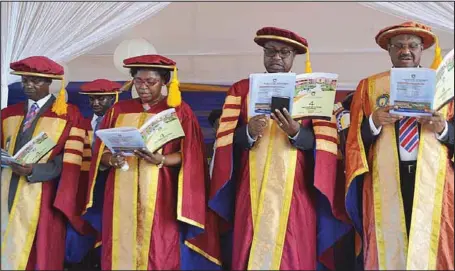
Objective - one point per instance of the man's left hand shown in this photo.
(22, 170)
(152, 158)
(436, 123)
(286, 123)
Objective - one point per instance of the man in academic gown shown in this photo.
(38, 199)
(271, 174)
(83, 251)
(398, 169)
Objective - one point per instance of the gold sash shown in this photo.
(134, 206)
(272, 170)
(19, 226)
(391, 237)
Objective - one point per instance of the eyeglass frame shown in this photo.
(146, 82)
(403, 46)
(279, 52)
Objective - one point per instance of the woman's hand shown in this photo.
(116, 160)
(152, 158)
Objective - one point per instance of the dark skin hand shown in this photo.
(285, 122)
(116, 160)
(173, 159)
(257, 125)
(435, 123)
(22, 170)
(381, 116)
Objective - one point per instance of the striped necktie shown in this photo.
(97, 126)
(409, 133)
(31, 114)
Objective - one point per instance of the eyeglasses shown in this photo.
(148, 82)
(401, 46)
(270, 52)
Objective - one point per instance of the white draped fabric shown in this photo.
(63, 31)
(436, 14)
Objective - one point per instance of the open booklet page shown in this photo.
(412, 90)
(416, 91)
(264, 86)
(444, 82)
(32, 152)
(310, 95)
(161, 128)
(314, 95)
(153, 134)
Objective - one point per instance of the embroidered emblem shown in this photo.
(343, 120)
(383, 100)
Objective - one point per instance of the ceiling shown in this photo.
(212, 42)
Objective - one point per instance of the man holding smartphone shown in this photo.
(266, 169)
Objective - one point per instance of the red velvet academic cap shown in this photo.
(273, 33)
(100, 87)
(40, 66)
(149, 61)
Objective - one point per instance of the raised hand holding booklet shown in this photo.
(310, 95)
(156, 131)
(414, 91)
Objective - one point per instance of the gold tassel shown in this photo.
(437, 56)
(308, 68)
(127, 86)
(60, 106)
(116, 97)
(174, 98)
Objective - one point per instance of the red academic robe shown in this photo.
(150, 213)
(33, 233)
(275, 188)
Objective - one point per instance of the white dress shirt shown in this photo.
(40, 102)
(404, 154)
(93, 122)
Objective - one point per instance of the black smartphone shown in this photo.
(280, 103)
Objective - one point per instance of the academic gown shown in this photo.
(157, 218)
(271, 195)
(35, 209)
(77, 245)
(374, 197)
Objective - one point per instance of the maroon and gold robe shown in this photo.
(33, 233)
(153, 218)
(275, 189)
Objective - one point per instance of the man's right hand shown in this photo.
(257, 125)
(382, 116)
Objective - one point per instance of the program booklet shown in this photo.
(153, 134)
(314, 95)
(310, 95)
(31, 152)
(414, 91)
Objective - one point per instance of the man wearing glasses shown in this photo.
(264, 172)
(400, 168)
